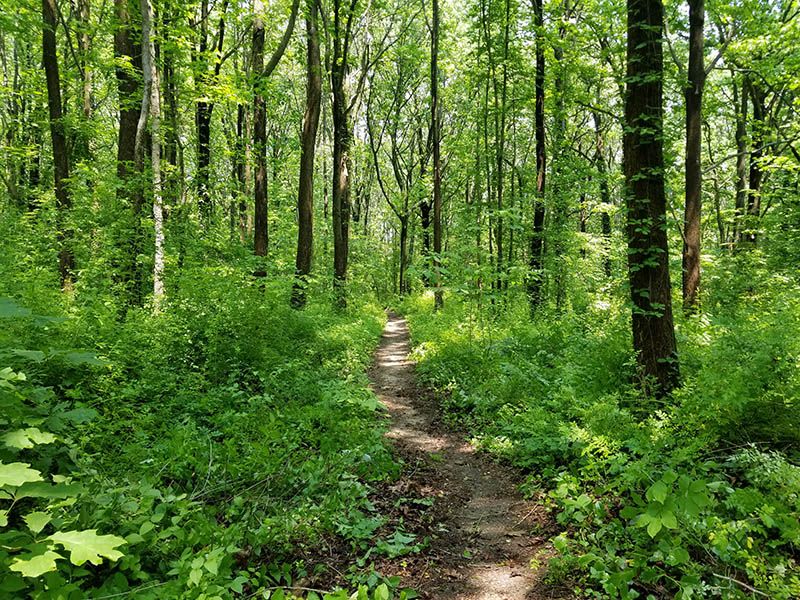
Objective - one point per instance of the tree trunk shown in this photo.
(694, 123)
(305, 195)
(242, 167)
(127, 52)
(403, 283)
(605, 195)
(342, 164)
(753, 218)
(535, 277)
(66, 260)
(740, 99)
(152, 89)
(437, 161)
(261, 226)
(648, 256)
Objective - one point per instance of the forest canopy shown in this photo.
(588, 211)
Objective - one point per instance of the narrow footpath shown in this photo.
(487, 542)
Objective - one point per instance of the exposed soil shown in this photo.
(486, 541)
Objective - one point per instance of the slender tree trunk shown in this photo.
(305, 195)
(742, 156)
(84, 46)
(753, 218)
(559, 208)
(605, 195)
(342, 139)
(242, 169)
(261, 225)
(152, 88)
(694, 124)
(437, 160)
(403, 283)
(648, 255)
(66, 260)
(127, 52)
(535, 277)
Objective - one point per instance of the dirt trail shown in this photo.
(487, 541)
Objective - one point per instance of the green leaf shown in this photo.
(654, 527)
(37, 521)
(27, 438)
(658, 492)
(87, 545)
(668, 520)
(36, 566)
(381, 592)
(42, 489)
(84, 358)
(15, 474)
(10, 309)
(34, 355)
(3, 518)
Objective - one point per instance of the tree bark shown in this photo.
(342, 140)
(66, 259)
(740, 99)
(152, 89)
(127, 52)
(260, 225)
(605, 195)
(536, 277)
(437, 161)
(305, 194)
(648, 256)
(693, 187)
(260, 74)
(753, 218)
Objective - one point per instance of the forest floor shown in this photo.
(486, 542)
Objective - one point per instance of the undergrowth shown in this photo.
(209, 451)
(695, 496)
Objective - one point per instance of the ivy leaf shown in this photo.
(36, 566)
(87, 545)
(23, 439)
(15, 474)
(37, 520)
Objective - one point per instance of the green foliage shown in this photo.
(203, 458)
(683, 498)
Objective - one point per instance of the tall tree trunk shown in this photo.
(84, 45)
(605, 195)
(403, 283)
(261, 225)
(742, 156)
(66, 259)
(437, 161)
(753, 218)
(305, 194)
(694, 123)
(152, 88)
(242, 167)
(535, 277)
(260, 75)
(342, 139)
(648, 255)
(127, 52)
(559, 208)
(204, 109)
